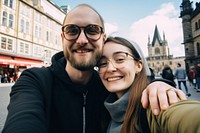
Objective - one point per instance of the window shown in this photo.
(11, 20)
(27, 27)
(37, 51)
(199, 23)
(198, 49)
(36, 31)
(21, 47)
(47, 36)
(9, 3)
(22, 26)
(4, 20)
(24, 48)
(3, 43)
(5, 2)
(40, 32)
(10, 44)
(157, 51)
(6, 44)
(196, 26)
(48, 53)
(7, 21)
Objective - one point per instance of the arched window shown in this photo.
(198, 49)
(199, 23)
(196, 26)
(157, 51)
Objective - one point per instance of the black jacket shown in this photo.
(52, 103)
(167, 73)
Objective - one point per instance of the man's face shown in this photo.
(82, 53)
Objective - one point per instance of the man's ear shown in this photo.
(62, 36)
(104, 38)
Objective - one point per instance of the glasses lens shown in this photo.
(102, 63)
(117, 60)
(93, 31)
(71, 32)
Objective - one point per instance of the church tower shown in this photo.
(158, 48)
(158, 52)
(191, 32)
(185, 14)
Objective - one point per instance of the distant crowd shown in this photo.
(180, 74)
(9, 77)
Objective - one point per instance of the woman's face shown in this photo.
(117, 68)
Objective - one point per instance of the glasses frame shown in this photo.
(108, 60)
(85, 32)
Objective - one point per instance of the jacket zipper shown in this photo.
(84, 114)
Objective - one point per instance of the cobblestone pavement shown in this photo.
(4, 100)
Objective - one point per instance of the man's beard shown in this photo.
(84, 66)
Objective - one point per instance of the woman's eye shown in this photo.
(119, 60)
(102, 64)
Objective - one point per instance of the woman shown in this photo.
(123, 70)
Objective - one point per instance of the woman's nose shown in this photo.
(111, 66)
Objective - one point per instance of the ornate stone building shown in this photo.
(159, 54)
(191, 32)
(29, 33)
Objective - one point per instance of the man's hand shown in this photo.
(160, 95)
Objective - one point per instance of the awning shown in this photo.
(16, 61)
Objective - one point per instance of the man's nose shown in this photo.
(82, 39)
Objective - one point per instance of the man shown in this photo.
(74, 100)
(181, 76)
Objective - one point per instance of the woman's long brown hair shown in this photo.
(132, 116)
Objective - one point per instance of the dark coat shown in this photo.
(52, 103)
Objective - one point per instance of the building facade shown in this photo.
(30, 33)
(191, 32)
(159, 54)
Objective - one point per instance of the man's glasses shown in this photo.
(72, 32)
(117, 60)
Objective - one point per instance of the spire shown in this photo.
(186, 8)
(148, 39)
(156, 36)
(163, 36)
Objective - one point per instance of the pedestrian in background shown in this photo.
(152, 77)
(167, 73)
(197, 75)
(181, 77)
(191, 77)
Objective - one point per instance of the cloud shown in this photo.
(110, 28)
(168, 22)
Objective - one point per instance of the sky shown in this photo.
(136, 20)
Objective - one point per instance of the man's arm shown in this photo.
(26, 108)
(160, 95)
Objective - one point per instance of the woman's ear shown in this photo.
(139, 66)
